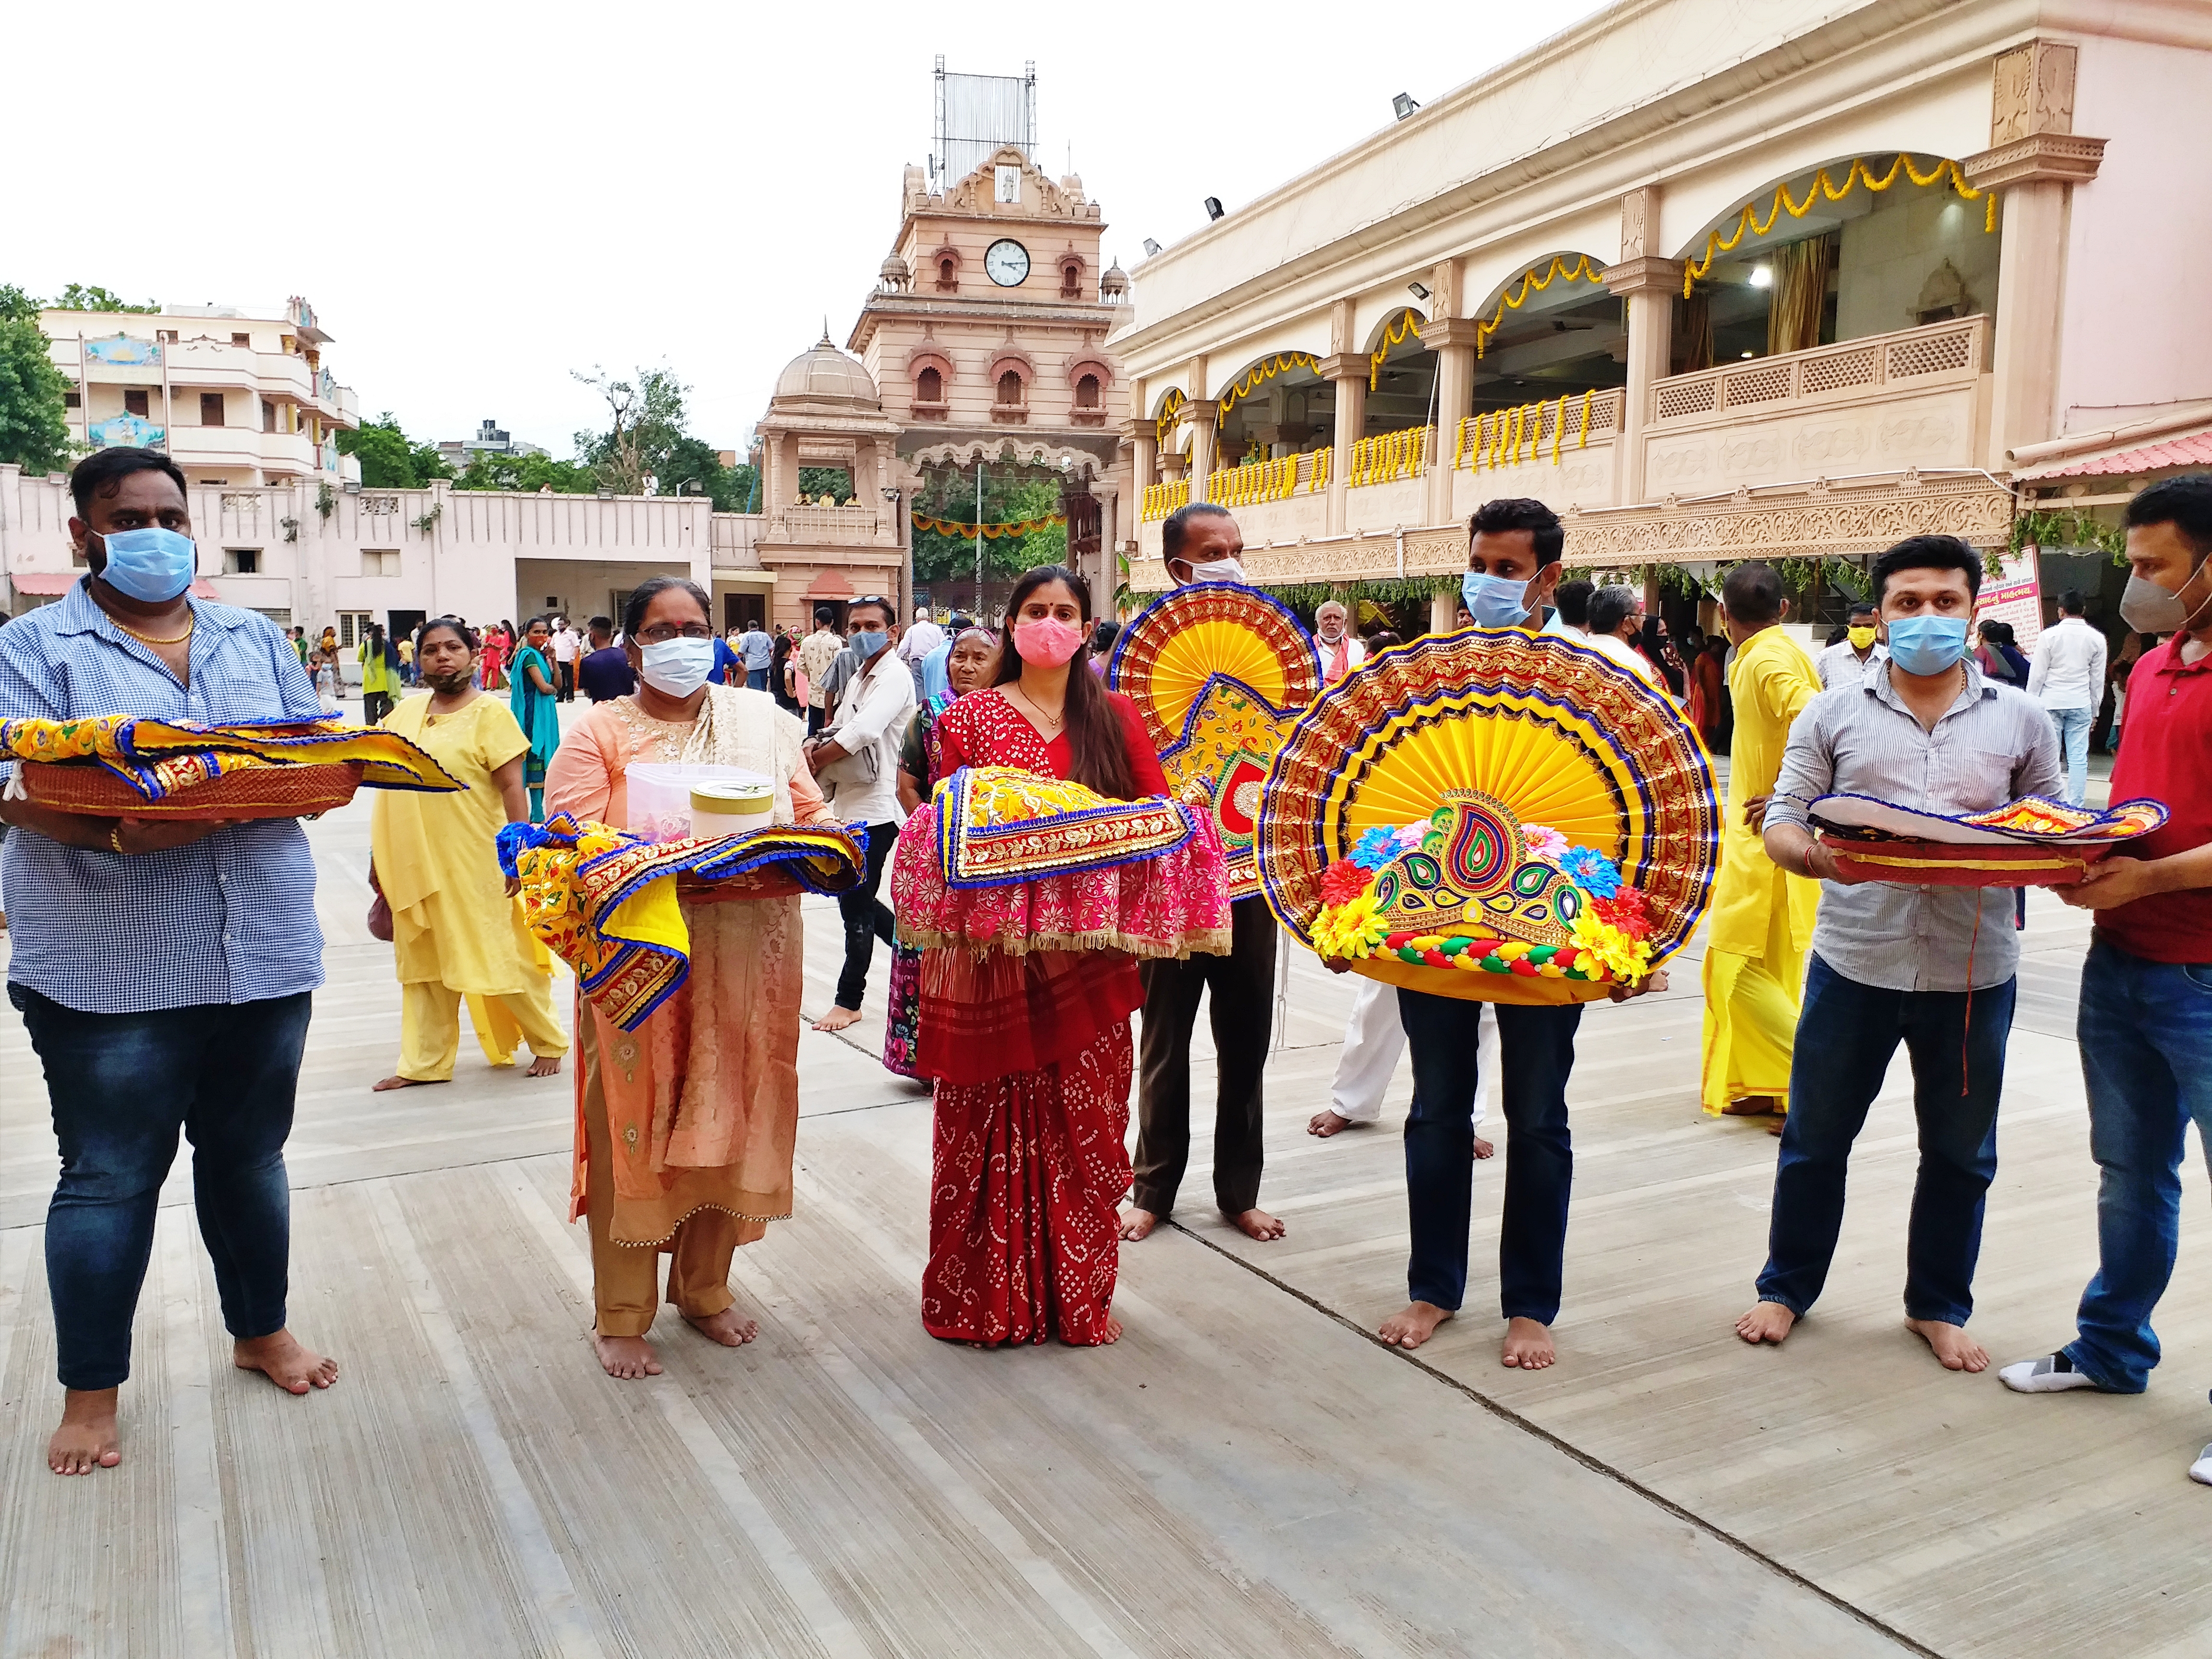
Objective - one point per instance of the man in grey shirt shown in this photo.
(1932, 966)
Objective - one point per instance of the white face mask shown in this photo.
(676, 668)
(1217, 570)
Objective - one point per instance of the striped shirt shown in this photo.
(228, 919)
(1993, 744)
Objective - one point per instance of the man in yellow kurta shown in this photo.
(1762, 917)
(457, 928)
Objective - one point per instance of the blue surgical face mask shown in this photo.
(1494, 601)
(866, 643)
(1927, 645)
(678, 667)
(152, 566)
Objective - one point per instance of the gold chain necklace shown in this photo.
(1055, 720)
(154, 639)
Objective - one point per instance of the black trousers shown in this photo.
(1242, 1008)
(564, 682)
(374, 705)
(867, 918)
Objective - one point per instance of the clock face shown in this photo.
(1006, 263)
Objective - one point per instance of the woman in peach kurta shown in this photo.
(684, 1126)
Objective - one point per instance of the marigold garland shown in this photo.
(991, 532)
(1823, 185)
(1581, 272)
(1260, 374)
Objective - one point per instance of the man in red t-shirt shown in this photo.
(2145, 1026)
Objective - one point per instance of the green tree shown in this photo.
(34, 430)
(816, 481)
(390, 459)
(645, 419)
(78, 296)
(1011, 494)
(529, 474)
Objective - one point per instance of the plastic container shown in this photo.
(660, 797)
(731, 809)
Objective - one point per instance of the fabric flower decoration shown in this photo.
(1626, 911)
(1544, 842)
(1375, 847)
(1593, 872)
(1342, 882)
(1627, 960)
(1352, 929)
(1409, 836)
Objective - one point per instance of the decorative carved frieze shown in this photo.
(2034, 92)
(2042, 157)
(1643, 274)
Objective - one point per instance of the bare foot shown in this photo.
(1527, 1346)
(279, 1357)
(1139, 1224)
(1958, 1350)
(1328, 1122)
(626, 1356)
(86, 1439)
(1258, 1224)
(1774, 1128)
(1112, 1328)
(1413, 1326)
(729, 1328)
(398, 1082)
(543, 1065)
(1769, 1322)
(1751, 1106)
(837, 1018)
(1484, 1149)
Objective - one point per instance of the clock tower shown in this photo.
(986, 337)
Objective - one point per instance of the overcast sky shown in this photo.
(478, 200)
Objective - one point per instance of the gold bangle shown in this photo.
(115, 840)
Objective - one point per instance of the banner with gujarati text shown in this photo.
(2015, 596)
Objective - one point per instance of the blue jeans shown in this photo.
(121, 1085)
(2073, 726)
(2145, 1030)
(1536, 1052)
(1846, 1033)
(757, 678)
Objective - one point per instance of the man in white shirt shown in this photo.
(565, 653)
(924, 637)
(1570, 617)
(1340, 652)
(2068, 678)
(1851, 659)
(861, 753)
(1616, 617)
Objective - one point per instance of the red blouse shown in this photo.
(984, 729)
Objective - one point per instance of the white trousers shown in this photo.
(1373, 1040)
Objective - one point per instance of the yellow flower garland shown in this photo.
(1823, 185)
(1409, 322)
(1260, 374)
(1581, 272)
(991, 532)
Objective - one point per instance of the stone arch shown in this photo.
(945, 267)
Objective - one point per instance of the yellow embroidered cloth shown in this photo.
(1000, 824)
(158, 759)
(605, 901)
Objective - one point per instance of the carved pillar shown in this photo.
(2034, 160)
(1649, 285)
(1443, 612)
(1203, 417)
(1452, 339)
(1347, 371)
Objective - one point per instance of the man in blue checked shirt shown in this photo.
(164, 968)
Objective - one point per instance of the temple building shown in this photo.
(982, 346)
(1797, 292)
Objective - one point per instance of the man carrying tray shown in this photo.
(2146, 1018)
(1931, 965)
(163, 967)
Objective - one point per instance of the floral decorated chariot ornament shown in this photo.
(1494, 815)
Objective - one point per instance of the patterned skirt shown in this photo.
(903, 1019)
(1027, 1179)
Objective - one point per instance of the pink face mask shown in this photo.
(1046, 640)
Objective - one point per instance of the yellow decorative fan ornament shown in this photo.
(1219, 671)
(1496, 815)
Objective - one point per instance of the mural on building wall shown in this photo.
(124, 432)
(123, 351)
(330, 454)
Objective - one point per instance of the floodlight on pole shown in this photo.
(1403, 106)
(1213, 208)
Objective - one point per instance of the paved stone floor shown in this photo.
(1247, 1472)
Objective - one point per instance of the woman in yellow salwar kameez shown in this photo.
(1762, 916)
(685, 1126)
(457, 928)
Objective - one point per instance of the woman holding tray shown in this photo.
(536, 708)
(684, 1126)
(1031, 1054)
(456, 930)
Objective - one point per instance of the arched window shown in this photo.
(946, 278)
(929, 386)
(1071, 279)
(1010, 390)
(1086, 392)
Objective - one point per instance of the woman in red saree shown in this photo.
(1031, 1054)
